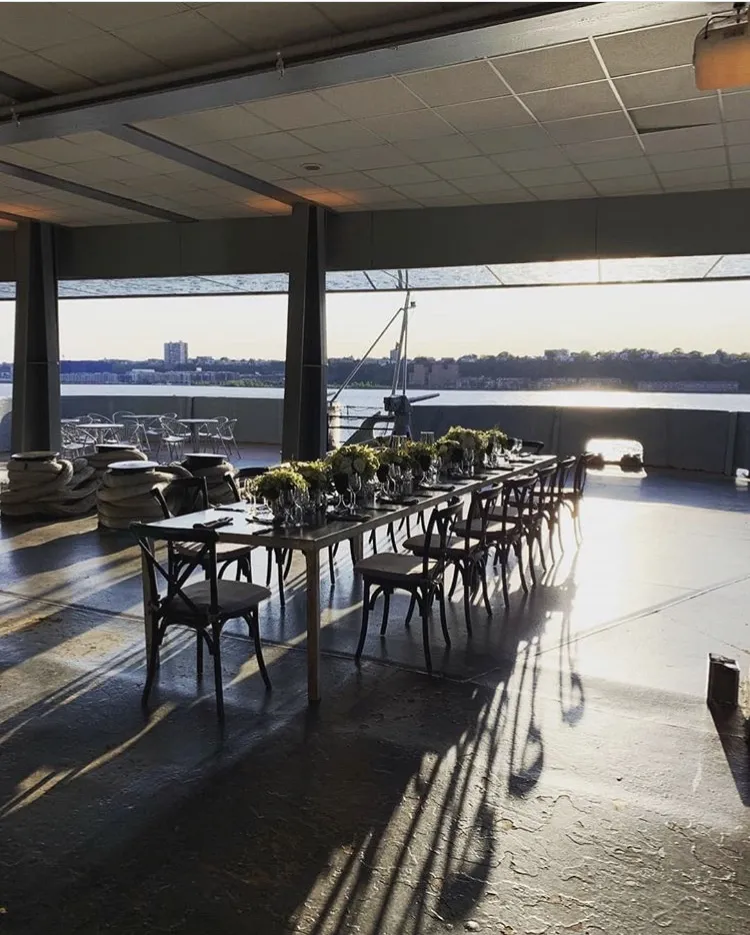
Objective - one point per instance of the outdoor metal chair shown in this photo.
(223, 438)
(203, 606)
(554, 501)
(570, 497)
(466, 549)
(187, 495)
(422, 576)
(173, 436)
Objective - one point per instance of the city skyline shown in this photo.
(699, 316)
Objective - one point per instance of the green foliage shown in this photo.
(354, 459)
(317, 474)
(279, 480)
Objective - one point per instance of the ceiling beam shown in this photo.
(94, 194)
(514, 28)
(187, 157)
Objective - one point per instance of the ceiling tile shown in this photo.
(736, 105)
(702, 176)
(623, 148)
(183, 40)
(685, 114)
(295, 111)
(375, 195)
(505, 196)
(56, 150)
(295, 165)
(274, 145)
(111, 15)
(531, 159)
(549, 68)
(741, 172)
(456, 84)
(485, 115)
(426, 190)
(487, 183)
(558, 192)
(629, 53)
(345, 181)
(738, 131)
(577, 101)
(371, 98)
(616, 168)
(677, 141)
(463, 168)
(372, 157)
(44, 74)
(438, 147)
(589, 129)
(222, 152)
(208, 126)
(102, 58)
(633, 184)
(669, 162)
(45, 25)
(100, 142)
(336, 136)
(20, 158)
(419, 125)
(448, 201)
(739, 154)
(267, 26)
(559, 175)
(660, 87)
(510, 139)
(402, 175)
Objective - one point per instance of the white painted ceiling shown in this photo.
(611, 115)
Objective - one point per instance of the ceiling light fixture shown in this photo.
(311, 166)
(721, 55)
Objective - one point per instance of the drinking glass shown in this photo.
(355, 485)
(398, 441)
(428, 438)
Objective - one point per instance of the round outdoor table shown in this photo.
(99, 429)
(194, 425)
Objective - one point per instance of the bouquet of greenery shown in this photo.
(497, 440)
(449, 450)
(280, 480)
(421, 455)
(317, 474)
(354, 459)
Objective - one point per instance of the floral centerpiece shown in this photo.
(352, 462)
(279, 487)
(497, 440)
(421, 456)
(317, 474)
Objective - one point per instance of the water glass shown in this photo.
(398, 441)
(427, 438)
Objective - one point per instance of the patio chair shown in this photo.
(537, 515)
(203, 606)
(73, 443)
(223, 439)
(530, 446)
(422, 576)
(466, 550)
(173, 436)
(154, 431)
(570, 497)
(187, 495)
(554, 502)
(511, 527)
(133, 431)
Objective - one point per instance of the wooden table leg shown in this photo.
(358, 548)
(312, 561)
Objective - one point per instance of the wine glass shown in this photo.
(427, 438)
(355, 486)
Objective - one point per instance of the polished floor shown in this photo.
(560, 773)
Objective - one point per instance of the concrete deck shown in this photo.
(562, 774)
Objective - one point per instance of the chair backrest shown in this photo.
(545, 478)
(579, 476)
(531, 445)
(439, 526)
(233, 486)
(184, 495)
(97, 417)
(171, 426)
(165, 585)
(516, 501)
(481, 508)
(564, 467)
(122, 414)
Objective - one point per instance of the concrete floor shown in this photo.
(561, 774)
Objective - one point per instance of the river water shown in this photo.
(621, 399)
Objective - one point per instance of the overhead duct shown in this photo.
(721, 55)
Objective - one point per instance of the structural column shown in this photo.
(36, 360)
(305, 432)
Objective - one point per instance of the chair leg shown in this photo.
(288, 565)
(216, 628)
(280, 574)
(386, 608)
(532, 567)
(466, 571)
(504, 574)
(456, 570)
(559, 528)
(392, 534)
(410, 613)
(538, 537)
(365, 619)
(482, 567)
(269, 566)
(199, 653)
(551, 538)
(518, 549)
(425, 608)
(374, 541)
(254, 626)
(443, 620)
(331, 569)
(151, 666)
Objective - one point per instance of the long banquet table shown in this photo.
(312, 541)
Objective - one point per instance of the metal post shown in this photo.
(36, 361)
(305, 434)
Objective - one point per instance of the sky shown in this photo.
(699, 316)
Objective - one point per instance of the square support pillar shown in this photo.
(36, 358)
(305, 430)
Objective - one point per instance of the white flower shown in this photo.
(359, 465)
(345, 465)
